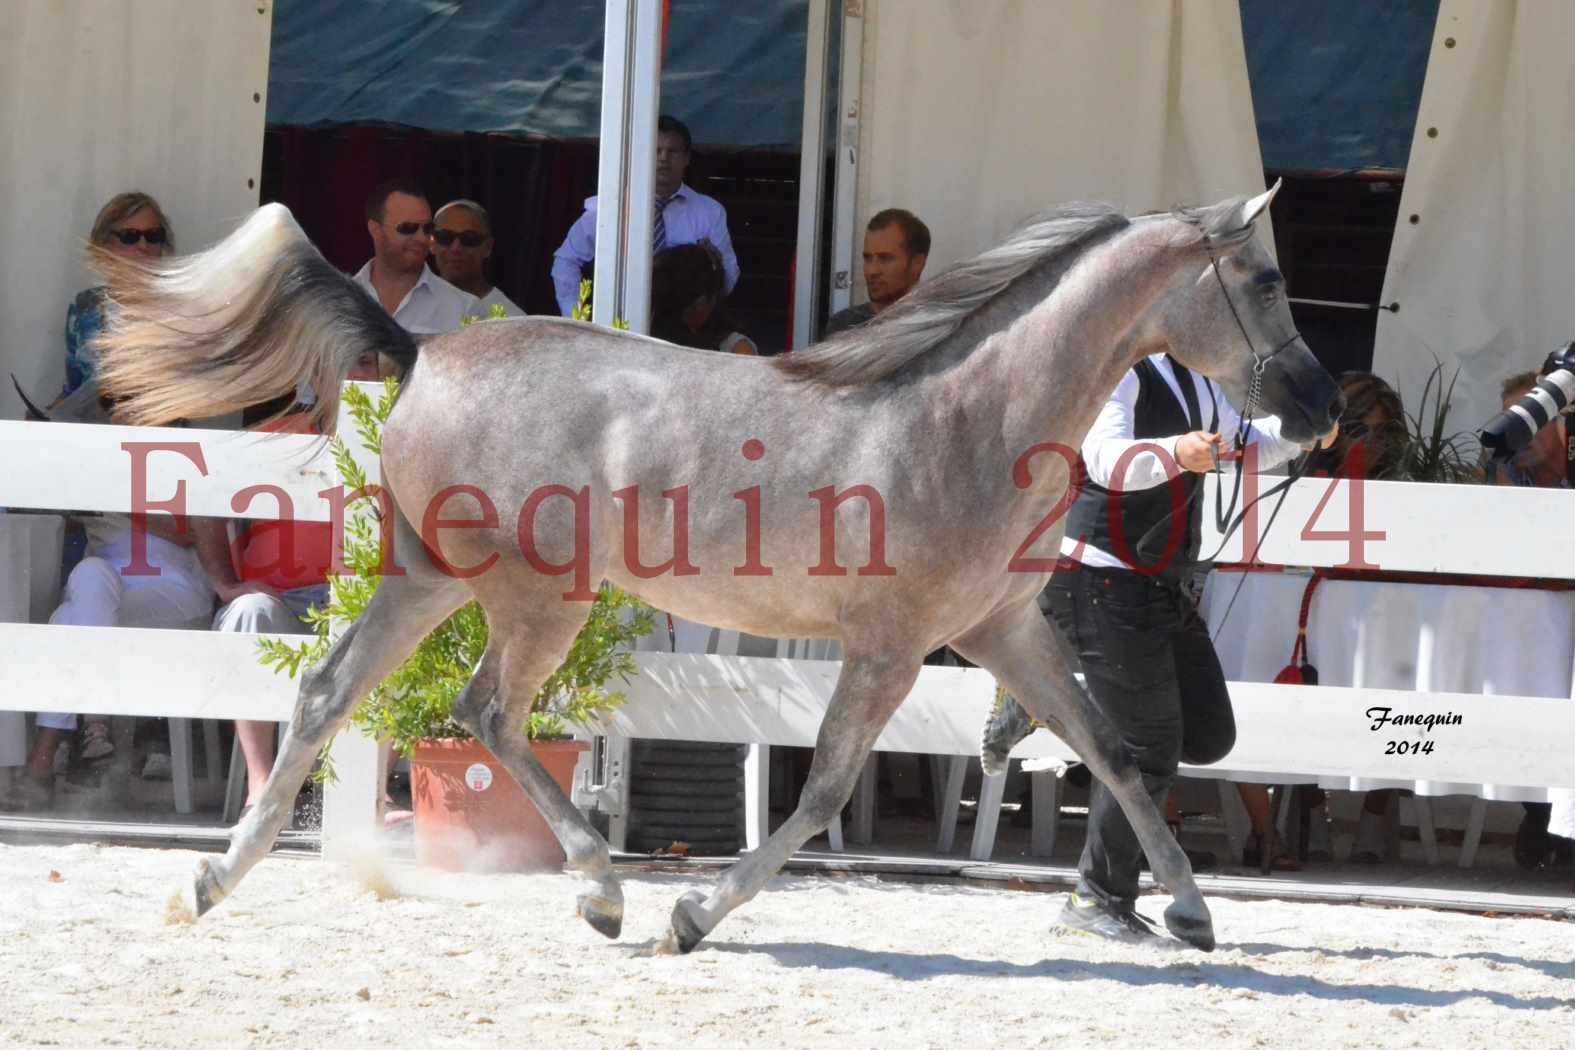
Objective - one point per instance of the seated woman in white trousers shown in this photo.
(99, 593)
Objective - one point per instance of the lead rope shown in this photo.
(1226, 520)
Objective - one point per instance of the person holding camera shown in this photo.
(1542, 463)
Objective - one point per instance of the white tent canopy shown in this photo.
(1483, 260)
(977, 115)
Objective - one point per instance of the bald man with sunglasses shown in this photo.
(399, 221)
(462, 243)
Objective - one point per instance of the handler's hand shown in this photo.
(1198, 451)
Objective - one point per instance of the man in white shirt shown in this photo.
(462, 243)
(399, 221)
(1133, 539)
(683, 216)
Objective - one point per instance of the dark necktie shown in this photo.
(659, 226)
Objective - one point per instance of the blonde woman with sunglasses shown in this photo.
(96, 592)
(131, 225)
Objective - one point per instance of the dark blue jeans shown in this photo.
(1151, 668)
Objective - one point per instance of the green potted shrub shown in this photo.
(470, 814)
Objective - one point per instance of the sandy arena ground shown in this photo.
(308, 954)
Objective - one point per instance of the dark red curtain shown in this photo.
(534, 190)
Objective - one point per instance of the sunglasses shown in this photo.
(129, 237)
(410, 229)
(469, 238)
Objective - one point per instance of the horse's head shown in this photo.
(1228, 318)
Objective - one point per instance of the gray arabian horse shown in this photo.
(939, 414)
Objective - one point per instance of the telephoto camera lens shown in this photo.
(1512, 429)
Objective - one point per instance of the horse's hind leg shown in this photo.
(402, 612)
(1029, 658)
(869, 689)
(523, 649)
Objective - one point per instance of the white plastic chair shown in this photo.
(1046, 788)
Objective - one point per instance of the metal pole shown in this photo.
(847, 167)
(612, 171)
(811, 174)
(1333, 304)
(645, 97)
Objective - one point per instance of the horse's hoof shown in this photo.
(688, 924)
(206, 891)
(603, 915)
(1197, 929)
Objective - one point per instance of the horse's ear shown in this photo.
(1258, 205)
(1231, 223)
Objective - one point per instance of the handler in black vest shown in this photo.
(1145, 653)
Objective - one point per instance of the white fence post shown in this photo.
(353, 798)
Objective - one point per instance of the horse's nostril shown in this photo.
(1336, 408)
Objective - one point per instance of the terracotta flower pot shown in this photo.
(471, 815)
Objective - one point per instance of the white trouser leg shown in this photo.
(90, 598)
(257, 614)
(97, 595)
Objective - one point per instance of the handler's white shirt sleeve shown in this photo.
(1111, 437)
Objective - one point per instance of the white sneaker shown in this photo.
(158, 767)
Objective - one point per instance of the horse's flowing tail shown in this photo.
(242, 323)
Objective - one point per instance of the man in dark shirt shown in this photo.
(896, 247)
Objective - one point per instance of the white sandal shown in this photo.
(96, 743)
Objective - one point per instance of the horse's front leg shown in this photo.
(1030, 659)
(404, 609)
(869, 689)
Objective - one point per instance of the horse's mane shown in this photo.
(935, 309)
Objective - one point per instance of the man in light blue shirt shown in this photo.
(683, 216)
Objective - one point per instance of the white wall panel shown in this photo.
(101, 96)
(977, 114)
(1483, 276)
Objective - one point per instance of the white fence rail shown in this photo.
(1409, 527)
(54, 466)
(167, 673)
(1511, 740)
